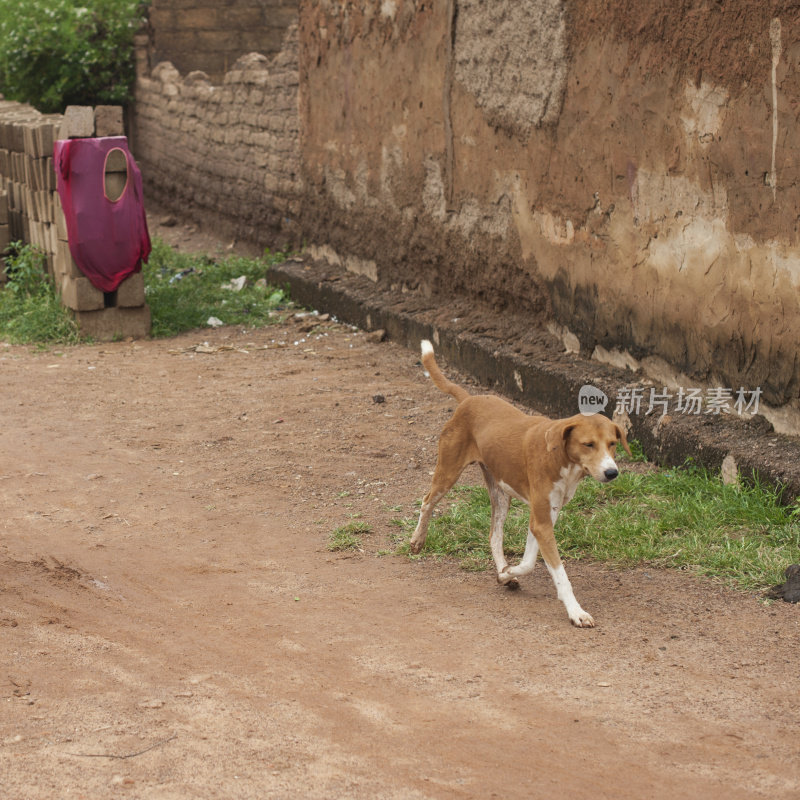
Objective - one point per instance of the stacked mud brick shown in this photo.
(28, 180)
(5, 233)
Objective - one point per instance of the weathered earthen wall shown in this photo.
(383, 155)
(627, 167)
(626, 161)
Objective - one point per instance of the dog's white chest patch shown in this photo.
(563, 489)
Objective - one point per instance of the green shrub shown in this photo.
(55, 53)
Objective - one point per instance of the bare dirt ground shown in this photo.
(172, 624)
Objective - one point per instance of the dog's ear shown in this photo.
(558, 433)
(623, 440)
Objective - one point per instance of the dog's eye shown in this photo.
(588, 444)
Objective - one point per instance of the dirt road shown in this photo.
(172, 624)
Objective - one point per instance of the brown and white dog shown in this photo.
(535, 459)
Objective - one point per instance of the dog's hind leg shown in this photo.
(449, 466)
(438, 490)
(525, 567)
(500, 505)
(429, 502)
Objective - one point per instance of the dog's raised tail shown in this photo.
(429, 362)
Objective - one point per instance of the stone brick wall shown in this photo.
(211, 36)
(228, 152)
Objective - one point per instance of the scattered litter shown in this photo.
(730, 471)
(235, 284)
(118, 779)
(378, 398)
(178, 276)
(213, 322)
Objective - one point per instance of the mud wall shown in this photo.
(630, 164)
(625, 167)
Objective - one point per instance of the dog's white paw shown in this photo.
(509, 581)
(580, 619)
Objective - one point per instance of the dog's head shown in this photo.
(591, 442)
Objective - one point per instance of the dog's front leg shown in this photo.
(543, 531)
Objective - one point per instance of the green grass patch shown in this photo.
(348, 537)
(184, 291)
(683, 518)
(30, 311)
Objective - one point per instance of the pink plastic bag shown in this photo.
(108, 236)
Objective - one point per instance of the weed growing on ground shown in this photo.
(30, 310)
(185, 291)
(683, 518)
(348, 537)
